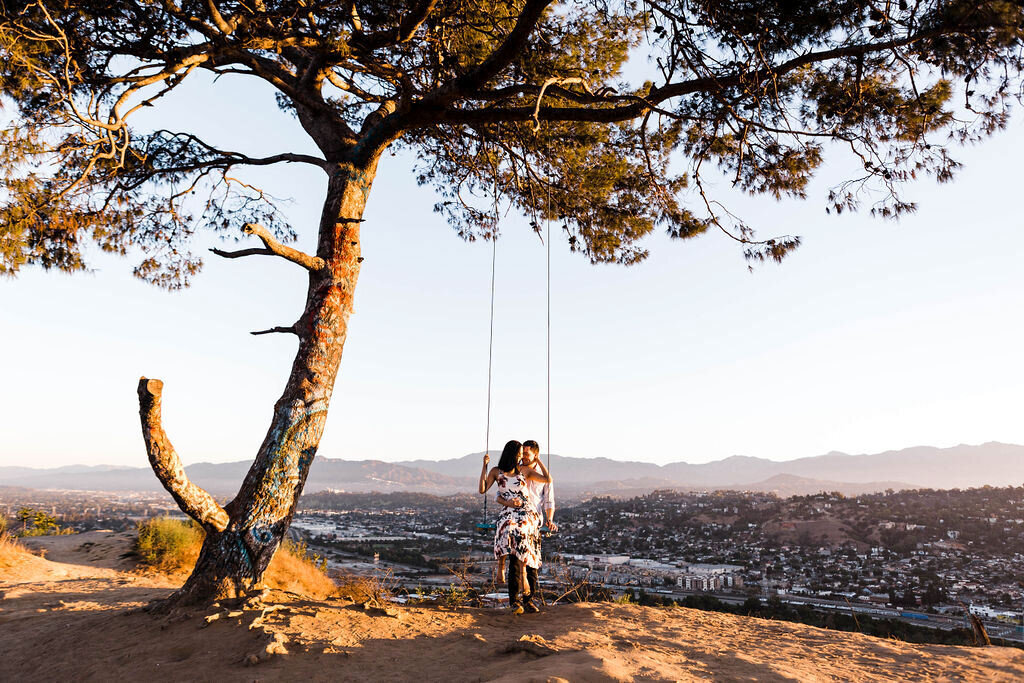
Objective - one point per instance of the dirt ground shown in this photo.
(72, 616)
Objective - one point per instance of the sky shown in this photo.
(872, 336)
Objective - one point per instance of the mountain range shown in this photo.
(963, 466)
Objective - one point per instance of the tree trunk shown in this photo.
(235, 556)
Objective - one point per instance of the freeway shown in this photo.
(995, 629)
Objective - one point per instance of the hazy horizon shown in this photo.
(145, 464)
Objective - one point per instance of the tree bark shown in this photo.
(235, 556)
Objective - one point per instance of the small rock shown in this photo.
(277, 645)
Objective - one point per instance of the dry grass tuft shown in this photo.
(11, 552)
(294, 570)
(363, 589)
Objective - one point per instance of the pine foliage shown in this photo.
(527, 103)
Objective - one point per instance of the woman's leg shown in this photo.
(500, 578)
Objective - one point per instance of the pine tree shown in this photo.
(523, 101)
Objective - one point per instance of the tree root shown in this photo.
(184, 601)
(276, 646)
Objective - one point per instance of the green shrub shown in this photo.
(457, 596)
(168, 544)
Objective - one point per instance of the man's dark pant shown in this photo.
(514, 599)
(512, 579)
(531, 580)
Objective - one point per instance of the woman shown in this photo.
(519, 522)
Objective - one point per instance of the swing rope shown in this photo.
(490, 348)
(547, 240)
(490, 345)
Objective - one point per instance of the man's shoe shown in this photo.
(517, 610)
(531, 608)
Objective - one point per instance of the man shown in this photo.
(544, 495)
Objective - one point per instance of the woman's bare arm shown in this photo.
(487, 478)
(543, 470)
(530, 473)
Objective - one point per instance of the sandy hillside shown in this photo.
(69, 617)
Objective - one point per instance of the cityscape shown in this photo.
(921, 556)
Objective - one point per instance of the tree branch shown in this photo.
(225, 27)
(554, 81)
(286, 157)
(242, 252)
(397, 35)
(273, 248)
(639, 105)
(276, 330)
(227, 158)
(385, 110)
(494, 62)
(193, 500)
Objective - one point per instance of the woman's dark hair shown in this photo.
(509, 456)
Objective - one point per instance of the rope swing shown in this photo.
(486, 524)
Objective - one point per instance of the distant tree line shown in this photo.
(38, 523)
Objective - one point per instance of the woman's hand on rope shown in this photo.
(487, 460)
(485, 478)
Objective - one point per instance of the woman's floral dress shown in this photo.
(518, 530)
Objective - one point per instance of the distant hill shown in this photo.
(995, 464)
(223, 479)
(963, 466)
(785, 485)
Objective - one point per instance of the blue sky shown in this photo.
(873, 335)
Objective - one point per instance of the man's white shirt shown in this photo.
(542, 495)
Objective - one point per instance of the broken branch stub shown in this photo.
(313, 263)
(193, 500)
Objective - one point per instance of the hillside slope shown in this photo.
(73, 622)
